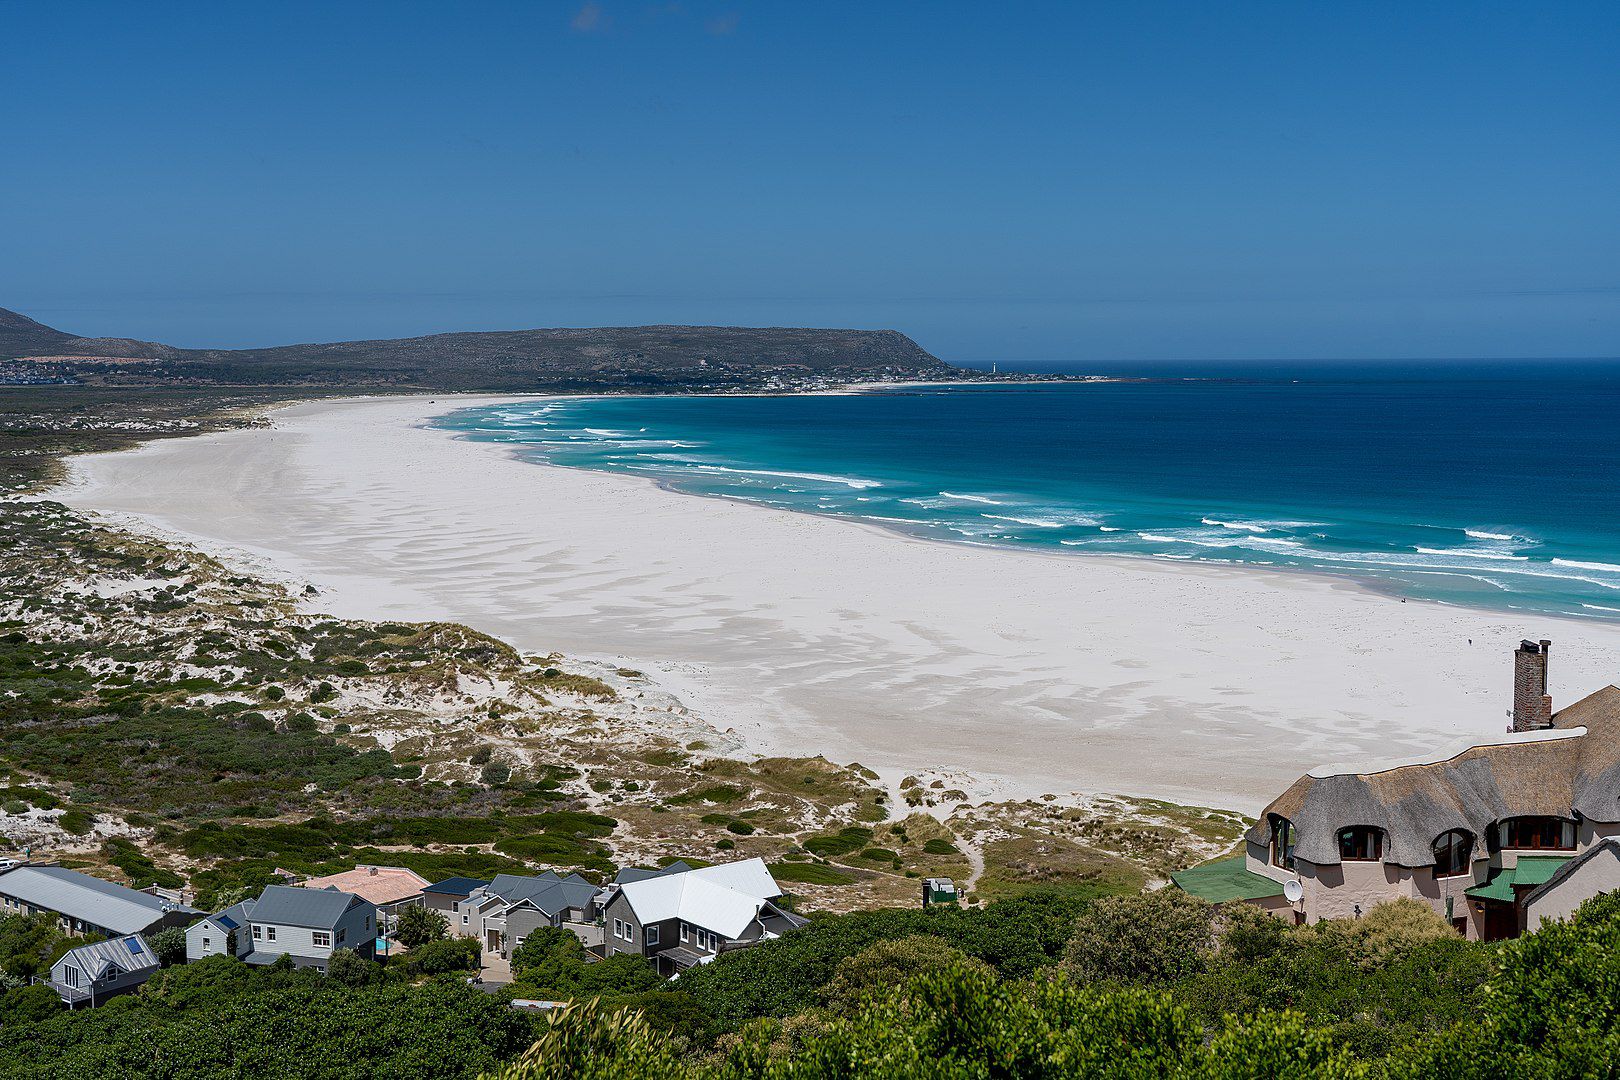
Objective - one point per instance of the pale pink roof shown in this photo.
(379, 884)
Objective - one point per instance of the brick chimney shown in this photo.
(1532, 705)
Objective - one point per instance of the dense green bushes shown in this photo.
(1550, 1009)
(1015, 937)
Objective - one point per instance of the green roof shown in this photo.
(1537, 869)
(1224, 880)
(1498, 886)
(1531, 870)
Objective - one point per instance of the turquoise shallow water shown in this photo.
(1493, 485)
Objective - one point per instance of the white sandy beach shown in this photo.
(1043, 673)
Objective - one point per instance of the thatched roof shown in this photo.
(1571, 770)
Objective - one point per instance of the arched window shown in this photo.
(1282, 842)
(1537, 834)
(1453, 853)
(1361, 843)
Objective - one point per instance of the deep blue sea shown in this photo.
(1492, 484)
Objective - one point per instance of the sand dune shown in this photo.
(1043, 673)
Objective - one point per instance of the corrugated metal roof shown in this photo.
(79, 896)
(292, 905)
(130, 953)
(723, 898)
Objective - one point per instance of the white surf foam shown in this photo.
(1607, 568)
(856, 482)
(1471, 553)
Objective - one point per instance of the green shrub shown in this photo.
(447, 955)
(77, 822)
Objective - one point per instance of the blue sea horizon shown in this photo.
(1492, 484)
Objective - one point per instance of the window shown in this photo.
(686, 932)
(70, 975)
(320, 938)
(618, 928)
(463, 918)
(651, 934)
(207, 944)
(1453, 854)
(270, 933)
(1282, 842)
(258, 932)
(1537, 834)
(1361, 843)
(341, 935)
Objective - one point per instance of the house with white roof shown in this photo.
(687, 917)
(86, 905)
(224, 933)
(90, 974)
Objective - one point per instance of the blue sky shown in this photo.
(1064, 181)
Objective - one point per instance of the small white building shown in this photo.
(224, 933)
(307, 924)
(90, 974)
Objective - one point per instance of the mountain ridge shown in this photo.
(549, 358)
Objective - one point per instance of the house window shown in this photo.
(341, 935)
(1453, 854)
(651, 934)
(1282, 842)
(258, 932)
(207, 944)
(1537, 834)
(322, 938)
(618, 928)
(70, 975)
(464, 919)
(270, 933)
(1361, 843)
(686, 932)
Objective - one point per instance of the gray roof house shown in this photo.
(85, 904)
(307, 924)
(92, 973)
(224, 933)
(444, 896)
(684, 918)
(511, 906)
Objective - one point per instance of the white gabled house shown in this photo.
(681, 918)
(224, 933)
(90, 974)
(307, 924)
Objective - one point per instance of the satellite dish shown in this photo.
(1293, 890)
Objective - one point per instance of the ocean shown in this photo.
(1492, 484)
